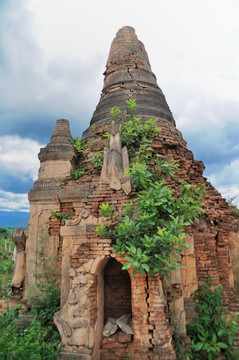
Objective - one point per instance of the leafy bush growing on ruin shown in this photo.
(80, 144)
(213, 331)
(78, 173)
(149, 232)
(115, 113)
(96, 159)
(135, 134)
(61, 217)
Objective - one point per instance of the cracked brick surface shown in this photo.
(81, 256)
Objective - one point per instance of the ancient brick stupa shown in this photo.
(93, 285)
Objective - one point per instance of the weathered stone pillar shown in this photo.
(19, 240)
(57, 159)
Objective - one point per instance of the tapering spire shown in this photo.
(128, 75)
(61, 145)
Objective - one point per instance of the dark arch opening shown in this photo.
(117, 290)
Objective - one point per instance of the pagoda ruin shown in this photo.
(93, 285)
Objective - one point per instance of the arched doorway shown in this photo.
(113, 301)
(117, 290)
(117, 338)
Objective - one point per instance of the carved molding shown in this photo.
(82, 215)
(66, 329)
(116, 162)
(72, 320)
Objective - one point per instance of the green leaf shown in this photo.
(126, 266)
(215, 350)
(210, 356)
(222, 345)
(198, 346)
(130, 259)
(145, 267)
(230, 340)
(133, 249)
(221, 332)
(141, 271)
(214, 339)
(139, 252)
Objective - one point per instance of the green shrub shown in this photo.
(97, 159)
(6, 263)
(213, 331)
(78, 173)
(179, 346)
(23, 342)
(135, 133)
(7, 317)
(149, 232)
(61, 217)
(115, 112)
(80, 144)
(32, 335)
(45, 301)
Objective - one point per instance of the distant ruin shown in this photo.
(93, 285)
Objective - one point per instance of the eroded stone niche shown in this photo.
(114, 300)
(117, 291)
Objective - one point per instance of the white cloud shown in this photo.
(226, 180)
(199, 115)
(30, 80)
(10, 201)
(53, 54)
(230, 193)
(19, 156)
(56, 51)
(229, 174)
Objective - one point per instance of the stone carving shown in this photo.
(66, 329)
(82, 215)
(19, 240)
(116, 162)
(73, 321)
(77, 296)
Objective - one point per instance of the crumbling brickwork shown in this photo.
(93, 287)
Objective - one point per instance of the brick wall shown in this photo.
(153, 335)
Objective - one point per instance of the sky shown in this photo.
(52, 58)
